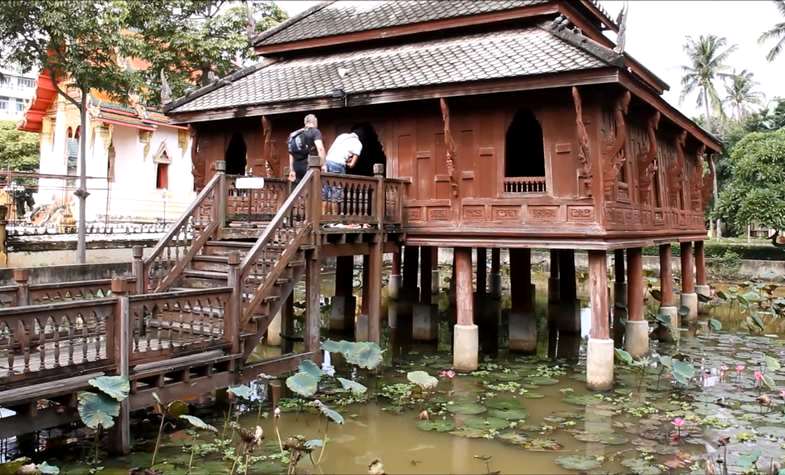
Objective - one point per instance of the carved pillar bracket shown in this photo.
(449, 146)
(696, 181)
(584, 147)
(708, 186)
(676, 171)
(648, 160)
(267, 132)
(614, 154)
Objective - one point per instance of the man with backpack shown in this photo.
(302, 143)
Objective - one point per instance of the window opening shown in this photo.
(524, 155)
(236, 155)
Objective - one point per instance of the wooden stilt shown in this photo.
(599, 354)
(411, 255)
(344, 303)
(666, 275)
(522, 321)
(466, 338)
(689, 298)
(701, 285)
(496, 273)
(568, 286)
(394, 285)
(636, 340)
(426, 266)
(374, 281)
(287, 324)
(120, 438)
(553, 278)
(312, 305)
(482, 271)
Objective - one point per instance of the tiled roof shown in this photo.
(477, 57)
(335, 18)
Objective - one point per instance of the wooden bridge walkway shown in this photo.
(196, 307)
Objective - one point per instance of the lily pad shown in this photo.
(606, 438)
(365, 354)
(469, 433)
(353, 386)
(438, 425)
(542, 380)
(577, 462)
(509, 414)
(308, 366)
(422, 379)
(486, 423)
(512, 438)
(466, 408)
(243, 391)
(580, 399)
(331, 414)
(542, 444)
(97, 410)
(502, 403)
(116, 387)
(641, 466)
(531, 395)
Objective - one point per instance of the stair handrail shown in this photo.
(196, 241)
(280, 219)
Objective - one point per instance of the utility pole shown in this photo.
(81, 192)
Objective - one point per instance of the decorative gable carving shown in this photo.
(162, 155)
(614, 140)
(584, 147)
(647, 160)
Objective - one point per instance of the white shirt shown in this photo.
(345, 146)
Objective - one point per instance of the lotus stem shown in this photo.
(324, 445)
(191, 459)
(278, 434)
(158, 439)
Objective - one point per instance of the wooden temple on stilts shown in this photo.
(486, 127)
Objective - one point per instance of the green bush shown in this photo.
(715, 249)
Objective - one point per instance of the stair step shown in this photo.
(282, 281)
(205, 274)
(296, 263)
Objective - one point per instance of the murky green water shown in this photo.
(518, 414)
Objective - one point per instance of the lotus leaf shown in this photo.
(353, 386)
(364, 354)
(303, 384)
(331, 414)
(641, 466)
(512, 438)
(623, 356)
(116, 387)
(771, 431)
(772, 363)
(580, 399)
(308, 366)
(97, 410)
(509, 414)
(542, 380)
(12, 467)
(422, 379)
(542, 445)
(769, 382)
(486, 423)
(503, 403)
(314, 444)
(198, 423)
(684, 311)
(607, 438)
(466, 408)
(438, 425)
(46, 469)
(577, 462)
(242, 391)
(342, 346)
(531, 395)
(469, 433)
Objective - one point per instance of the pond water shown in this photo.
(516, 414)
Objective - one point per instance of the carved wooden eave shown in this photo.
(584, 146)
(267, 131)
(648, 159)
(449, 146)
(614, 154)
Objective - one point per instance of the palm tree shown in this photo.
(777, 33)
(707, 56)
(741, 94)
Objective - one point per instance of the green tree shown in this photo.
(78, 44)
(707, 56)
(777, 32)
(194, 42)
(18, 150)
(756, 190)
(741, 93)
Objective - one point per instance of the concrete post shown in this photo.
(599, 355)
(137, 269)
(22, 278)
(466, 337)
(689, 298)
(636, 340)
(120, 437)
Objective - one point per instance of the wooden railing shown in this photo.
(185, 238)
(22, 293)
(524, 184)
(259, 204)
(394, 194)
(274, 249)
(350, 198)
(171, 323)
(40, 340)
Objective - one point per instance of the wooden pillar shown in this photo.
(394, 285)
(424, 326)
(426, 276)
(599, 357)
(411, 256)
(522, 321)
(553, 278)
(667, 302)
(620, 278)
(434, 270)
(701, 285)
(233, 312)
(374, 308)
(466, 336)
(312, 306)
(287, 324)
(220, 204)
(636, 340)
(496, 273)
(361, 325)
(344, 302)
(3, 236)
(689, 298)
(568, 286)
(120, 438)
(137, 269)
(482, 271)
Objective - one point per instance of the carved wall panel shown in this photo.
(614, 138)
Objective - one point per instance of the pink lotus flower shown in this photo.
(678, 422)
(739, 368)
(758, 377)
(782, 393)
(447, 373)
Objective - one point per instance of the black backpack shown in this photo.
(296, 143)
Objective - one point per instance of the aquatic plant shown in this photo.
(678, 423)
(199, 425)
(97, 410)
(173, 409)
(24, 465)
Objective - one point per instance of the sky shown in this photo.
(656, 31)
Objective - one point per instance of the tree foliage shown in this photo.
(741, 93)
(776, 33)
(707, 57)
(755, 192)
(18, 150)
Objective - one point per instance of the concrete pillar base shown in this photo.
(523, 332)
(703, 289)
(672, 312)
(342, 312)
(274, 331)
(424, 326)
(394, 286)
(496, 285)
(466, 346)
(691, 302)
(599, 364)
(636, 338)
(361, 328)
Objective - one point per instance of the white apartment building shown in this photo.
(16, 91)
